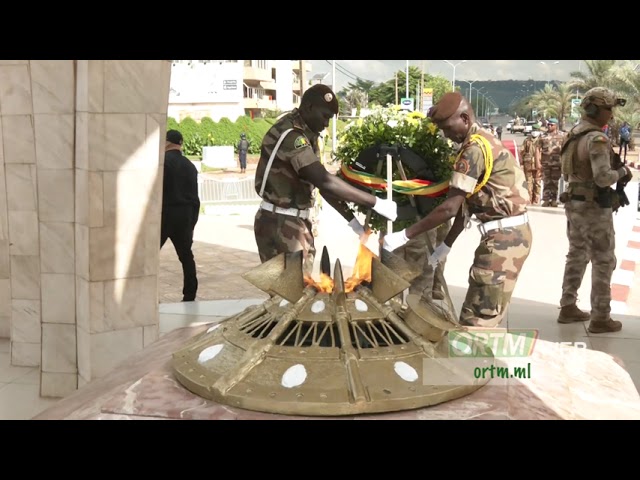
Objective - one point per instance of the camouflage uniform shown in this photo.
(590, 226)
(550, 145)
(277, 233)
(502, 251)
(531, 172)
(415, 252)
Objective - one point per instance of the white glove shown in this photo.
(357, 228)
(394, 240)
(439, 254)
(386, 208)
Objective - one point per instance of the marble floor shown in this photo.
(19, 398)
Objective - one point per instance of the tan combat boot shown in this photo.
(546, 203)
(571, 314)
(554, 203)
(604, 326)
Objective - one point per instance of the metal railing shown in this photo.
(228, 191)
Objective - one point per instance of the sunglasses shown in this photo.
(621, 102)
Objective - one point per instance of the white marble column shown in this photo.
(120, 125)
(80, 198)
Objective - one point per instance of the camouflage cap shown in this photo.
(320, 94)
(601, 97)
(446, 106)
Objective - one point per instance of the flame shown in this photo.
(324, 285)
(361, 272)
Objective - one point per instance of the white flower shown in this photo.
(392, 123)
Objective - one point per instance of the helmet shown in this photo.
(242, 135)
(602, 97)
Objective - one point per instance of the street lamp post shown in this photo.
(470, 89)
(454, 65)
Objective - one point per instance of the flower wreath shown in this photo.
(426, 179)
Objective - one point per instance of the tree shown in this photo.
(599, 73)
(385, 93)
(553, 102)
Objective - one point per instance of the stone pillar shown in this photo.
(83, 149)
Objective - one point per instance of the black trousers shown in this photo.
(177, 225)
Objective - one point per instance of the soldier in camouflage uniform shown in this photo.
(532, 170)
(586, 165)
(548, 155)
(415, 252)
(288, 171)
(498, 198)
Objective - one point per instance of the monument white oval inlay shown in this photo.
(294, 376)
(284, 302)
(317, 306)
(209, 353)
(215, 327)
(361, 306)
(405, 371)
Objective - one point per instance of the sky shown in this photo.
(471, 70)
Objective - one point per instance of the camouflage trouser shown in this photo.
(551, 173)
(533, 177)
(415, 252)
(276, 234)
(492, 277)
(591, 239)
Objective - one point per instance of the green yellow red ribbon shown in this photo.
(406, 187)
(421, 187)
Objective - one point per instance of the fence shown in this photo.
(227, 192)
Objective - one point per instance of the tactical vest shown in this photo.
(572, 164)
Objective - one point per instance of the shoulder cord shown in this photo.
(270, 162)
(487, 152)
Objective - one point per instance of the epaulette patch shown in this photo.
(600, 139)
(301, 142)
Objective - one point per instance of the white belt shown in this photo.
(292, 212)
(503, 223)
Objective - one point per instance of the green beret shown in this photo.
(447, 106)
(320, 94)
(552, 120)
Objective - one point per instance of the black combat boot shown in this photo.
(604, 326)
(571, 314)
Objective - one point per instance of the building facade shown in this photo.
(233, 88)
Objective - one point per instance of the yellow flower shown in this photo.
(432, 128)
(417, 114)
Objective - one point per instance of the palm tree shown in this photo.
(599, 73)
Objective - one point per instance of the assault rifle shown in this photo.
(623, 200)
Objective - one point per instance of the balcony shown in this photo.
(259, 102)
(254, 74)
(296, 66)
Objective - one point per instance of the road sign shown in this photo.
(427, 100)
(575, 103)
(406, 104)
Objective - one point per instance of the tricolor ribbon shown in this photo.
(406, 187)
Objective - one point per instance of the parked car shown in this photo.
(529, 127)
(508, 126)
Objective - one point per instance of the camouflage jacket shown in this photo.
(527, 149)
(592, 157)
(505, 193)
(551, 144)
(284, 188)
